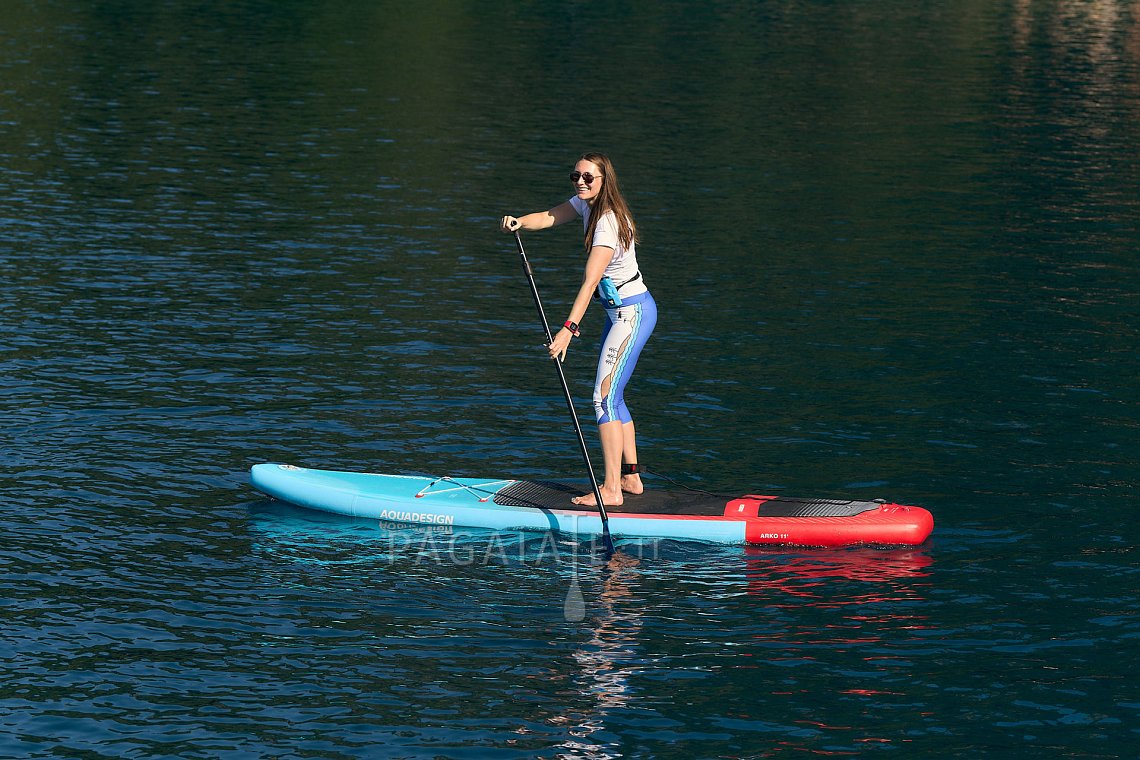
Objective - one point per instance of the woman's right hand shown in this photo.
(557, 349)
(509, 224)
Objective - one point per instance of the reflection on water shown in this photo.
(891, 574)
(780, 608)
(608, 659)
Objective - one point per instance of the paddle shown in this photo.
(607, 540)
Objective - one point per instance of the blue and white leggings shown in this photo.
(627, 329)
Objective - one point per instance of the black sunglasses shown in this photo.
(585, 176)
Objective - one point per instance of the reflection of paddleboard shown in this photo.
(848, 578)
(541, 505)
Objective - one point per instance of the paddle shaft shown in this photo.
(606, 538)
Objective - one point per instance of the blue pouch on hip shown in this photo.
(610, 297)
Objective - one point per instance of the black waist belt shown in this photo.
(635, 278)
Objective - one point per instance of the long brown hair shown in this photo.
(609, 198)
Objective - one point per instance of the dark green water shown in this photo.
(894, 248)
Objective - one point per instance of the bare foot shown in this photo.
(611, 499)
(632, 484)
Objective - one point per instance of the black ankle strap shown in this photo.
(632, 469)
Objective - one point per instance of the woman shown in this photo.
(631, 313)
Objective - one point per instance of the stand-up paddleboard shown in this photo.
(545, 505)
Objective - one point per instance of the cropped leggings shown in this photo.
(627, 329)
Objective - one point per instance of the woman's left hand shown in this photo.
(560, 344)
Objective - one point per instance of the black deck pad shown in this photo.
(555, 495)
(786, 506)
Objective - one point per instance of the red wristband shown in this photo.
(572, 327)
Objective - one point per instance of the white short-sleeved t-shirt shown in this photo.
(623, 265)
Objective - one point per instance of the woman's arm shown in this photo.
(599, 259)
(539, 220)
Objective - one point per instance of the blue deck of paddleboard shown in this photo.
(456, 502)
